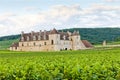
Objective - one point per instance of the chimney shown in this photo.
(44, 34)
(22, 37)
(22, 33)
(32, 33)
(40, 32)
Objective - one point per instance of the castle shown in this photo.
(50, 41)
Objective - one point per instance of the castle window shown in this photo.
(34, 44)
(52, 42)
(22, 44)
(45, 43)
(15, 48)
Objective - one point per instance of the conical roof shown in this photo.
(54, 31)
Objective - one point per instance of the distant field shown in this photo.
(114, 43)
(97, 64)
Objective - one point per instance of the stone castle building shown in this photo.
(50, 41)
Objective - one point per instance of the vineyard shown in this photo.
(68, 65)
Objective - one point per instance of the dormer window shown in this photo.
(64, 37)
(34, 38)
(28, 38)
(44, 37)
(22, 38)
(39, 37)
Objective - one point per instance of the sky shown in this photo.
(35, 15)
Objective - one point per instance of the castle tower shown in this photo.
(76, 41)
(54, 38)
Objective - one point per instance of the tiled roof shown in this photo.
(15, 45)
(54, 31)
(64, 34)
(87, 44)
(36, 35)
(45, 34)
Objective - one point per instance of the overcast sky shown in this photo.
(35, 15)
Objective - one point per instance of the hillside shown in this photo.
(98, 35)
(94, 35)
(6, 44)
(11, 37)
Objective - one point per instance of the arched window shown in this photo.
(65, 48)
(52, 42)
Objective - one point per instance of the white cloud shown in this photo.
(61, 16)
(31, 8)
(112, 0)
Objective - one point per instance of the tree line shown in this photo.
(93, 35)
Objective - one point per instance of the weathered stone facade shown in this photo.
(49, 41)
